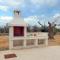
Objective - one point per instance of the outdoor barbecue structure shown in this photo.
(20, 38)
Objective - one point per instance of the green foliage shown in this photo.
(57, 30)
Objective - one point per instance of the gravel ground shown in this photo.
(46, 53)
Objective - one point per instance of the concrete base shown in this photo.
(49, 53)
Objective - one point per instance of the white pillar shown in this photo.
(36, 42)
(46, 42)
(25, 32)
(10, 44)
(10, 37)
(24, 43)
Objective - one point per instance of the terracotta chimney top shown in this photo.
(17, 13)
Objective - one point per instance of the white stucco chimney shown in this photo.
(17, 19)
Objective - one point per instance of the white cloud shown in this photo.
(13, 3)
(33, 20)
(1, 0)
(56, 15)
(52, 2)
(45, 2)
(5, 19)
(3, 8)
(56, 19)
(23, 4)
(38, 1)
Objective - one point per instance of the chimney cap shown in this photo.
(17, 11)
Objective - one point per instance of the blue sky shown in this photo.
(31, 10)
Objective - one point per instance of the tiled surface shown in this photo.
(46, 53)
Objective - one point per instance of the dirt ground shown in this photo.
(55, 41)
(4, 42)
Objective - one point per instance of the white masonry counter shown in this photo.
(36, 39)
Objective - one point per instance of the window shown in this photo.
(18, 31)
